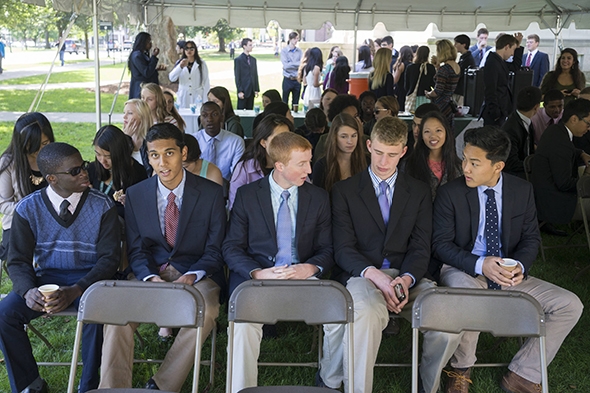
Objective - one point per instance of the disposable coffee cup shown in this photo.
(48, 289)
(509, 264)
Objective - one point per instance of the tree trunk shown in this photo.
(47, 44)
(221, 44)
(86, 43)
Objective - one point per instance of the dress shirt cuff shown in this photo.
(147, 278)
(198, 273)
(365, 269)
(252, 271)
(479, 265)
(521, 267)
(412, 277)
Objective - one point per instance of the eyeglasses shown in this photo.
(376, 110)
(75, 171)
(189, 48)
(586, 121)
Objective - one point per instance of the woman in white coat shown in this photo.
(192, 76)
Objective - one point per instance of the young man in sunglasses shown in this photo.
(71, 232)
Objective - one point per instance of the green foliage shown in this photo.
(222, 30)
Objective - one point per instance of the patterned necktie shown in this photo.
(210, 154)
(171, 216)
(551, 122)
(384, 206)
(491, 231)
(64, 212)
(528, 60)
(284, 232)
(531, 139)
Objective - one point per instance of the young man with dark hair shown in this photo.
(71, 233)
(479, 49)
(175, 223)
(549, 114)
(246, 73)
(367, 100)
(480, 218)
(221, 147)
(519, 129)
(381, 225)
(556, 162)
(465, 62)
(280, 228)
(498, 96)
(291, 58)
(387, 42)
(536, 60)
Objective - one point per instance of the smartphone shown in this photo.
(399, 292)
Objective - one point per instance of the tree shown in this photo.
(222, 29)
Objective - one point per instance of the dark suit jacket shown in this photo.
(539, 65)
(456, 218)
(555, 174)
(251, 242)
(497, 92)
(522, 144)
(466, 61)
(360, 236)
(246, 75)
(143, 70)
(200, 230)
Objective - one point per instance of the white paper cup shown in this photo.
(509, 264)
(48, 289)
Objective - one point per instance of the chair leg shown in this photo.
(40, 335)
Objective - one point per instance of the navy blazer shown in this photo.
(518, 134)
(360, 236)
(251, 243)
(456, 219)
(246, 75)
(200, 230)
(143, 70)
(539, 65)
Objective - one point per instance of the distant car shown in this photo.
(74, 46)
(127, 45)
(113, 46)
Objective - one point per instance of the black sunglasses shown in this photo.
(189, 48)
(75, 171)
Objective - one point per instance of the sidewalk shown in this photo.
(66, 117)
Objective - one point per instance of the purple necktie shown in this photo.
(528, 60)
(384, 206)
(284, 232)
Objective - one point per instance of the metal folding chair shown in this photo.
(501, 313)
(121, 302)
(314, 302)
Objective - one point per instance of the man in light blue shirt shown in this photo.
(291, 58)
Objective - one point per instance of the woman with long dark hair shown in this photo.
(192, 75)
(567, 76)
(365, 63)
(19, 173)
(344, 157)
(312, 72)
(114, 169)
(434, 158)
(399, 71)
(256, 163)
(269, 96)
(169, 99)
(339, 75)
(143, 66)
(220, 96)
(419, 69)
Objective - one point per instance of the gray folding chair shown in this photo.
(501, 313)
(121, 302)
(314, 302)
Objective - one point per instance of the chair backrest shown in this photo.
(501, 313)
(120, 302)
(311, 301)
(583, 187)
(528, 166)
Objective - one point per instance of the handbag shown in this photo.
(411, 98)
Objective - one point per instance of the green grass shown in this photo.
(58, 100)
(209, 55)
(109, 73)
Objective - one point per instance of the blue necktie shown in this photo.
(284, 230)
(491, 231)
(210, 154)
(384, 206)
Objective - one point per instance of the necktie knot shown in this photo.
(285, 195)
(64, 211)
(383, 186)
(171, 198)
(489, 192)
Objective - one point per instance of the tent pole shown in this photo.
(356, 28)
(96, 62)
(556, 41)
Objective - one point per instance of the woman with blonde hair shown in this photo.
(445, 80)
(137, 120)
(152, 94)
(381, 80)
(344, 157)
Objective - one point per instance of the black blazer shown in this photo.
(521, 143)
(200, 230)
(555, 174)
(497, 91)
(246, 75)
(143, 70)
(456, 218)
(251, 243)
(360, 236)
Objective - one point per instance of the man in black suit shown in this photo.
(519, 128)
(535, 59)
(556, 162)
(466, 62)
(246, 74)
(175, 223)
(498, 94)
(263, 242)
(474, 228)
(382, 222)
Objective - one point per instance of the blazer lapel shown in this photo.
(189, 203)
(303, 204)
(507, 207)
(398, 203)
(367, 195)
(473, 202)
(151, 212)
(263, 194)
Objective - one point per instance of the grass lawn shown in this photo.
(58, 100)
(107, 73)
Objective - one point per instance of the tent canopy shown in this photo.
(414, 15)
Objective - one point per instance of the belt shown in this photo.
(292, 79)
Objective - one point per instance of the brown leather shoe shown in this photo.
(458, 381)
(514, 383)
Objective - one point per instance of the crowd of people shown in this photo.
(355, 195)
